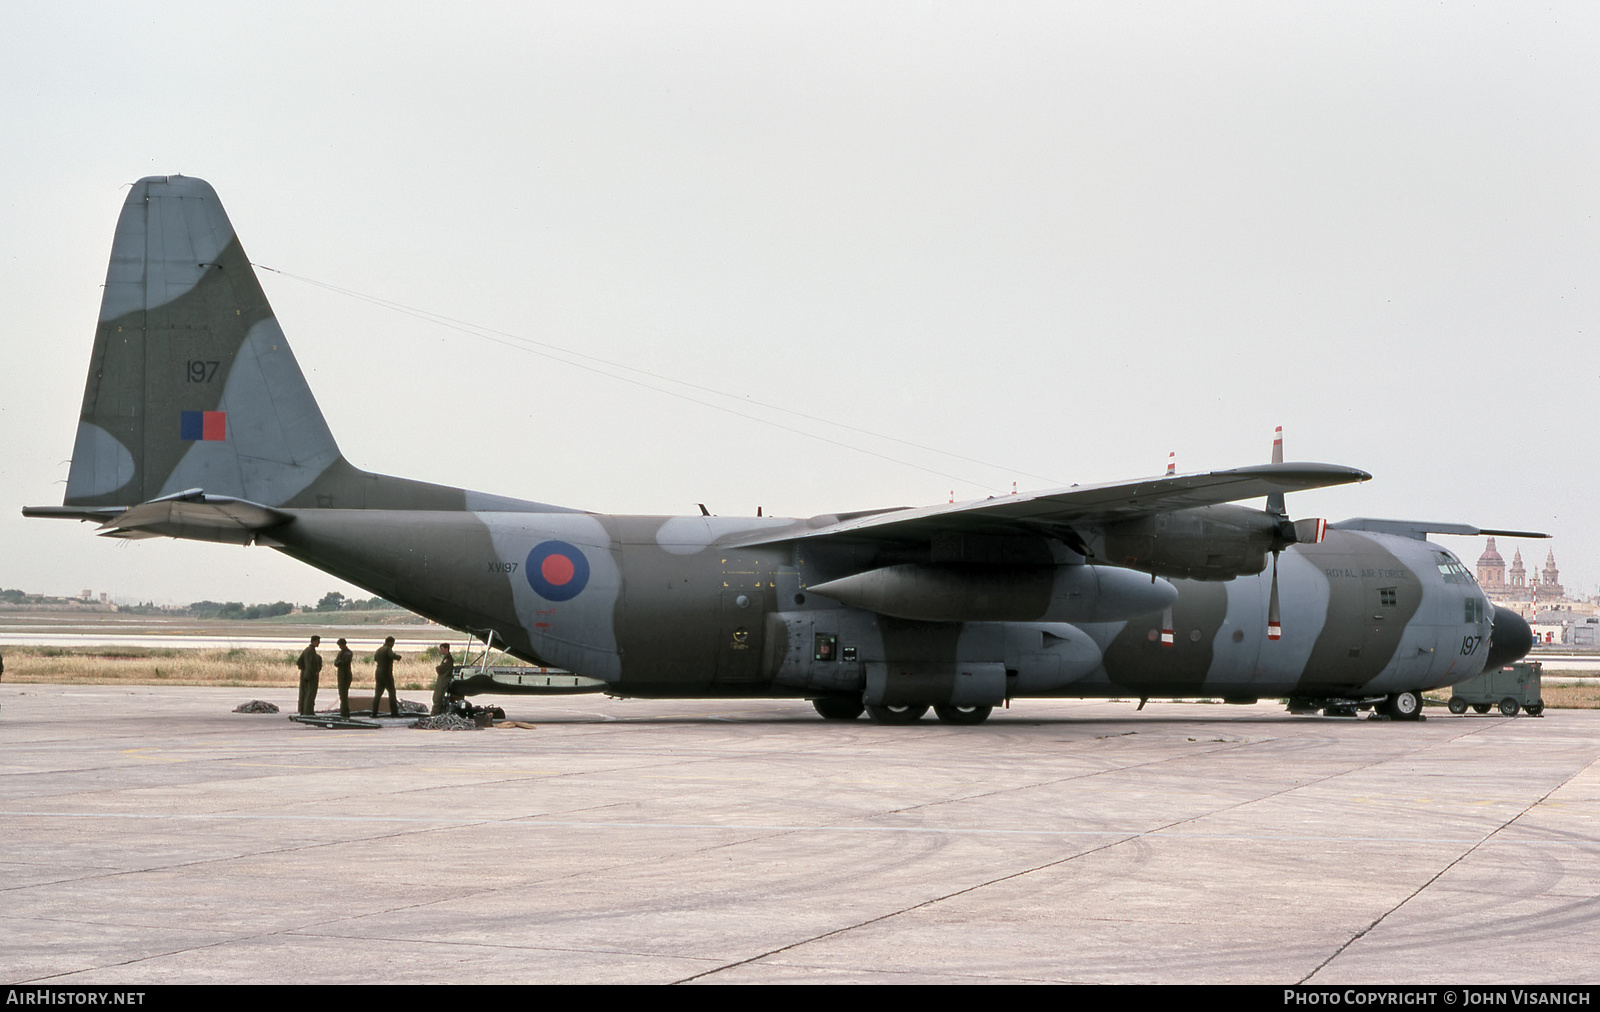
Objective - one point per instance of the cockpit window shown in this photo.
(1474, 610)
(1453, 571)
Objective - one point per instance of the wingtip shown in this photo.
(1327, 474)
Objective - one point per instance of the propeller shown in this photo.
(1290, 532)
(1279, 510)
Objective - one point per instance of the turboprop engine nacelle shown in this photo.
(1207, 543)
(987, 593)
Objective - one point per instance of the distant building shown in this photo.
(1566, 627)
(1529, 595)
(1492, 570)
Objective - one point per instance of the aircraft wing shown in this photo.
(1080, 504)
(1420, 529)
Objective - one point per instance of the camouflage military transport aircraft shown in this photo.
(197, 423)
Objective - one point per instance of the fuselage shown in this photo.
(672, 606)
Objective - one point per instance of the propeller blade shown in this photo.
(1275, 504)
(1310, 531)
(1274, 618)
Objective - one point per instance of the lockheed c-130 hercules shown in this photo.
(198, 423)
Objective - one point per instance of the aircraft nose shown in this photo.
(1509, 640)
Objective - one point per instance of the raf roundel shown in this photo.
(557, 571)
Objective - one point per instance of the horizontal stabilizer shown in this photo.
(197, 517)
(95, 514)
(1420, 529)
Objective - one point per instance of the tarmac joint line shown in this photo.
(1459, 858)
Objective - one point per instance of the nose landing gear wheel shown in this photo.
(1404, 706)
(896, 714)
(950, 714)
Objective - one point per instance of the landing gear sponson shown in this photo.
(851, 707)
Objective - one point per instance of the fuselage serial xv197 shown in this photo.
(198, 423)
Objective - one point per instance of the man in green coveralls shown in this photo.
(442, 675)
(310, 665)
(341, 668)
(383, 674)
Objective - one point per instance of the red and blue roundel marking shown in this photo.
(557, 571)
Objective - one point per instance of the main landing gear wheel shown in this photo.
(896, 714)
(951, 714)
(1509, 707)
(1404, 705)
(838, 707)
(1458, 706)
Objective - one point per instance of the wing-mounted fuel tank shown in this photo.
(968, 592)
(1208, 543)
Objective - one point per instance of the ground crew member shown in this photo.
(383, 675)
(445, 670)
(341, 667)
(310, 665)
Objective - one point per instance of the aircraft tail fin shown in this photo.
(193, 391)
(191, 383)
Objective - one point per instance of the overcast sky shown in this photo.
(1046, 243)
